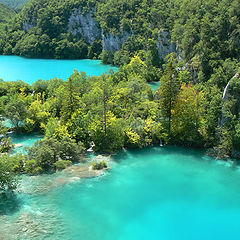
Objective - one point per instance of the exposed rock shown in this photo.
(89, 28)
(83, 171)
(113, 42)
(165, 44)
(42, 184)
(31, 225)
(18, 145)
(225, 97)
(27, 26)
(85, 24)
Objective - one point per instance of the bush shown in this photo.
(98, 165)
(107, 57)
(8, 179)
(62, 164)
(32, 167)
(50, 151)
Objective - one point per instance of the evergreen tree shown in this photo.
(167, 93)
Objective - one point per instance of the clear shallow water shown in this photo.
(164, 193)
(24, 140)
(13, 68)
(155, 85)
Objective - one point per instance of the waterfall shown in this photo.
(161, 143)
(92, 144)
(225, 98)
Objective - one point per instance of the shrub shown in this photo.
(62, 164)
(8, 179)
(32, 167)
(98, 165)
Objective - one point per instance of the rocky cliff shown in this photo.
(82, 23)
(85, 25)
(164, 44)
(113, 42)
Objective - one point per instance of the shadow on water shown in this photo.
(9, 203)
(166, 149)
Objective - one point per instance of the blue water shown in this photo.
(166, 193)
(13, 68)
(24, 140)
(155, 85)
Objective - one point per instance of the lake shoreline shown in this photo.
(139, 181)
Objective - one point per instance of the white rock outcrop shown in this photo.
(164, 44)
(84, 24)
(114, 42)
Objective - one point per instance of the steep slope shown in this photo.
(6, 16)
(6, 13)
(80, 29)
(207, 32)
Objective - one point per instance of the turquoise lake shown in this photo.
(24, 140)
(165, 193)
(13, 68)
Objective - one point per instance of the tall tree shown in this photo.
(188, 114)
(16, 110)
(167, 93)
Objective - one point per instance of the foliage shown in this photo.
(32, 167)
(189, 115)
(44, 154)
(16, 111)
(8, 179)
(62, 164)
(6, 13)
(99, 165)
(167, 93)
(120, 109)
(5, 141)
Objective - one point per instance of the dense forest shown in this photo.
(6, 14)
(191, 47)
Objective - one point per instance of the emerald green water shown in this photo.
(24, 140)
(166, 193)
(13, 68)
(155, 85)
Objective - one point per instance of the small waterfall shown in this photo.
(161, 143)
(92, 144)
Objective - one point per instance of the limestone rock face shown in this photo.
(85, 24)
(114, 42)
(164, 44)
(27, 26)
(228, 93)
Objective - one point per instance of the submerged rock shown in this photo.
(42, 184)
(18, 145)
(34, 221)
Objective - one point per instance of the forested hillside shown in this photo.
(15, 4)
(203, 31)
(6, 14)
(192, 47)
